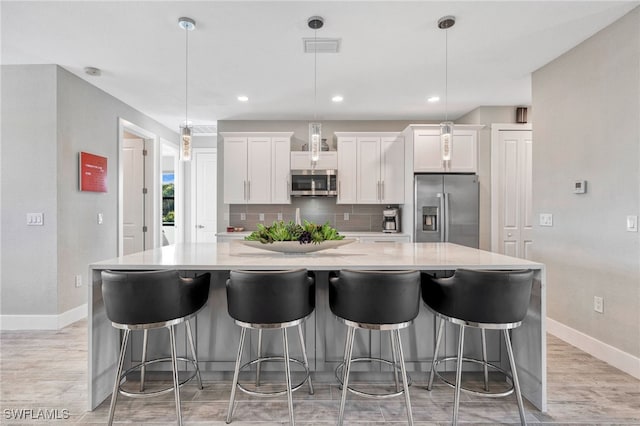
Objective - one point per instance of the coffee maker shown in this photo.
(391, 219)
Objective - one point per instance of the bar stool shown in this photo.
(493, 300)
(145, 300)
(270, 300)
(375, 300)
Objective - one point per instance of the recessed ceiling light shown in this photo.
(93, 71)
(433, 99)
(337, 98)
(243, 98)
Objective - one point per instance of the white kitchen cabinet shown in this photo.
(301, 160)
(256, 167)
(379, 168)
(427, 156)
(347, 153)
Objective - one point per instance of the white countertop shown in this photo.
(392, 256)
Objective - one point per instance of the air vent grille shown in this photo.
(321, 45)
(204, 130)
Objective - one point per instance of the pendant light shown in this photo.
(315, 129)
(446, 127)
(187, 24)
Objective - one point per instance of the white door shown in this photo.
(347, 153)
(204, 194)
(515, 193)
(368, 170)
(259, 170)
(392, 170)
(133, 197)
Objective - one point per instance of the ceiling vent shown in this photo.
(204, 130)
(321, 45)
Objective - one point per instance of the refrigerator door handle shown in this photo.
(441, 216)
(446, 216)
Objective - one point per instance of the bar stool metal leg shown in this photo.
(484, 359)
(514, 375)
(347, 367)
(287, 372)
(193, 352)
(395, 359)
(174, 366)
(345, 353)
(145, 338)
(116, 386)
(236, 372)
(259, 356)
(304, 358)
(456, 398)
(405, 384)
(435, 354)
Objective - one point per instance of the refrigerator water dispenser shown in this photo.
(430, 218)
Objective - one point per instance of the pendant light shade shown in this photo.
(187, 24)
(315, 129)
(446, 127)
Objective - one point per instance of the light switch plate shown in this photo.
(100, 218)
(35, 219)
(243, 216)
(632, 223)
(261, 217)
(279, 216)
(546, 219)
(346, 216)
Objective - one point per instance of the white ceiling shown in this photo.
(391, 57)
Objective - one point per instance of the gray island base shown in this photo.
(218, 336)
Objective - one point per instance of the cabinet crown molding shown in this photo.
(437, 126)
(380, 134)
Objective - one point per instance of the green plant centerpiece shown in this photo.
(306, 233)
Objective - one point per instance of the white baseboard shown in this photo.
(594, 347)
(43, 322)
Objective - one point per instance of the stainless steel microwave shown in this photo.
(314, 183)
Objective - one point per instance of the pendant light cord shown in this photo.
(186, 79)
(446, 74)
(315, 74)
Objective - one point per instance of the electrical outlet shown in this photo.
(598, 304)
(261, 217)
(546, 219)
(346, 216)
(243, 216)
(78, 280)
(279, 216)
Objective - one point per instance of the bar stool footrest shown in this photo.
(487, 394)
(370, 394)
(278, 392)
(169, 389)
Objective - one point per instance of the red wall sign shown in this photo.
(93, 172)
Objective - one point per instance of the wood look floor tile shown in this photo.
(47, 370)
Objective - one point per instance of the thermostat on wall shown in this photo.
(580, 187)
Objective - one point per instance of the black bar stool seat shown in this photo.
(484, 299)
(374, 300)
(145, 300)
(270, 300)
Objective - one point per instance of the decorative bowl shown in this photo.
(296, 247)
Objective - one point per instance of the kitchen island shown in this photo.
(217, 335)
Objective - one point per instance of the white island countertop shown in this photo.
(392, 256)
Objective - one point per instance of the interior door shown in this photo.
(205, 200)
(515, 190)
(134, 197)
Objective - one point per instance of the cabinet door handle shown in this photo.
(288, 189)
(244, 189)
(248, 190)
(200, 226)
(378, 191)
(382, 195)
(339, 188)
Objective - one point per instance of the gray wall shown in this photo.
(586, 107)
(48, 116)
(486, 115)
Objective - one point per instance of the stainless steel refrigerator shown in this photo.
(446, 208)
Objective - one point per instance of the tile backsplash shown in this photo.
(361, 217)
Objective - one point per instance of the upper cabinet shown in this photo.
(256, 167)
(301, 160)
(370, 168)
(427, 157)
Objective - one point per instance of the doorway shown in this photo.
(138, 227)
(204, 198)
(172, 201)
